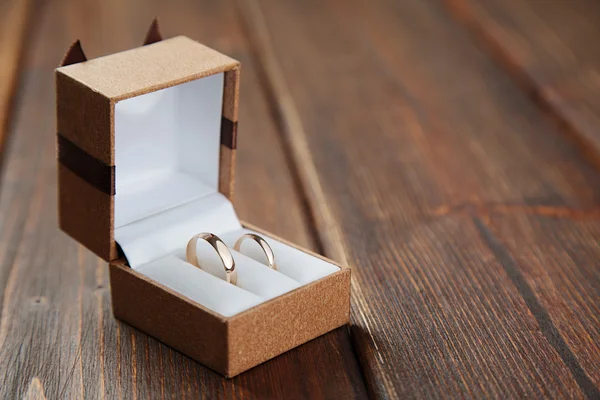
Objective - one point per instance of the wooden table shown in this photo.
(447, 150)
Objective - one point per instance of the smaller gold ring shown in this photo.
(263, 245)
(221, 249)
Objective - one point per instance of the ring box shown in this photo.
(146, 150)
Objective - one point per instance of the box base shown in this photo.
(230, 345)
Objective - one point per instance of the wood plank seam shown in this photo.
(545, 323)
(326, 230)
(459, 9)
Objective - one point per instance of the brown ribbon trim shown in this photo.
(85, 166)
(228, 133)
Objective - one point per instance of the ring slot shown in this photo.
(257, 278)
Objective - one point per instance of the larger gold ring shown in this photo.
(221, 249)
(263, 245)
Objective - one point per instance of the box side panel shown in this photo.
(229, 122)
(227, 172)
(231, 94)
(281, 324)
(86, 172)
(84, 117)
(148, 68)
(85, 213)
(169, 318)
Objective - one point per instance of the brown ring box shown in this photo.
(87, 93)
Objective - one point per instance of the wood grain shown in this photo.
(407, 139)
(14, 20)
(564, 292)
(547, 47)
(58, 338)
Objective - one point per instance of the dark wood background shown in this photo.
(447, 150)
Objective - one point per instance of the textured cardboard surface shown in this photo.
(85, 117)
(85, 213)
(231, 94)
(74, 55)
(227, 172)
(288, 321)
(159, 65)
(90, 169)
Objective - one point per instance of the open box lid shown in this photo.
(156, 122)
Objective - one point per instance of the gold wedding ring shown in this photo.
(263, 245)
(221, 249)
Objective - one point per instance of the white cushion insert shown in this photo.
(252, 276)
(200, 286)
